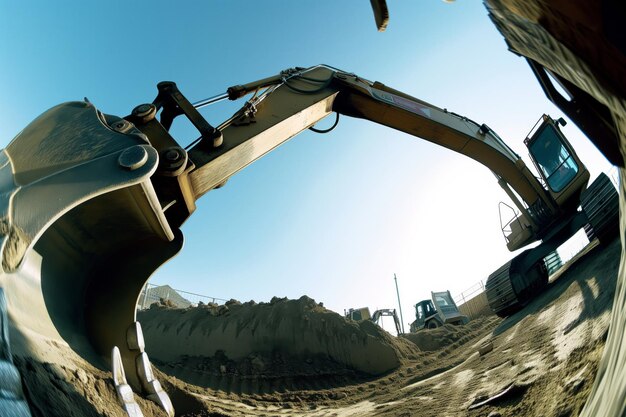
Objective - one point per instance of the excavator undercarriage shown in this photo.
(521, 279)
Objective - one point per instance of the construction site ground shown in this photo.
(539, 362)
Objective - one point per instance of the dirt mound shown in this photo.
(77, 390)
(429, 340)
(261, 347)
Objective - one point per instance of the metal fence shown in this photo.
(469, 293)
(553, 262)
(152, 293)
(470, 299)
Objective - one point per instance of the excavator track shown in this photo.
(514, 284)
(600, 202)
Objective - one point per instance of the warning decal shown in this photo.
(402, 102)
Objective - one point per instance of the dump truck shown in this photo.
(439, 310)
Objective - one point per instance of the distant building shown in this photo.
(155, 294)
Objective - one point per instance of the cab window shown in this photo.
(429, 309)
(420, 313)
(557, 165)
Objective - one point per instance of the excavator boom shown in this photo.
(297, 99)
(299, 102)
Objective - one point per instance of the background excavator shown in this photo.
(117, 190)
(363, 313)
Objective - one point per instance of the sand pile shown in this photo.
(542, 363)
(429, 340)
(73, 390)
(279, 345)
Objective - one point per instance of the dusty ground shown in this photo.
(543, 361)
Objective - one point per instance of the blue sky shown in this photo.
(330, 216)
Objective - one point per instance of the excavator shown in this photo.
(363, 313)
(92, 203)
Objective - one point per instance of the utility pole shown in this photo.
(399, 304)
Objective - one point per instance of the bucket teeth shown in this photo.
(134, 337)
(124, 391)
(151, 386)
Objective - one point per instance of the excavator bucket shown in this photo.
(82, 231)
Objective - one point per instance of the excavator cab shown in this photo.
(562, 173)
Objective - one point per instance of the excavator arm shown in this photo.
(297, 99)
(387, 312)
